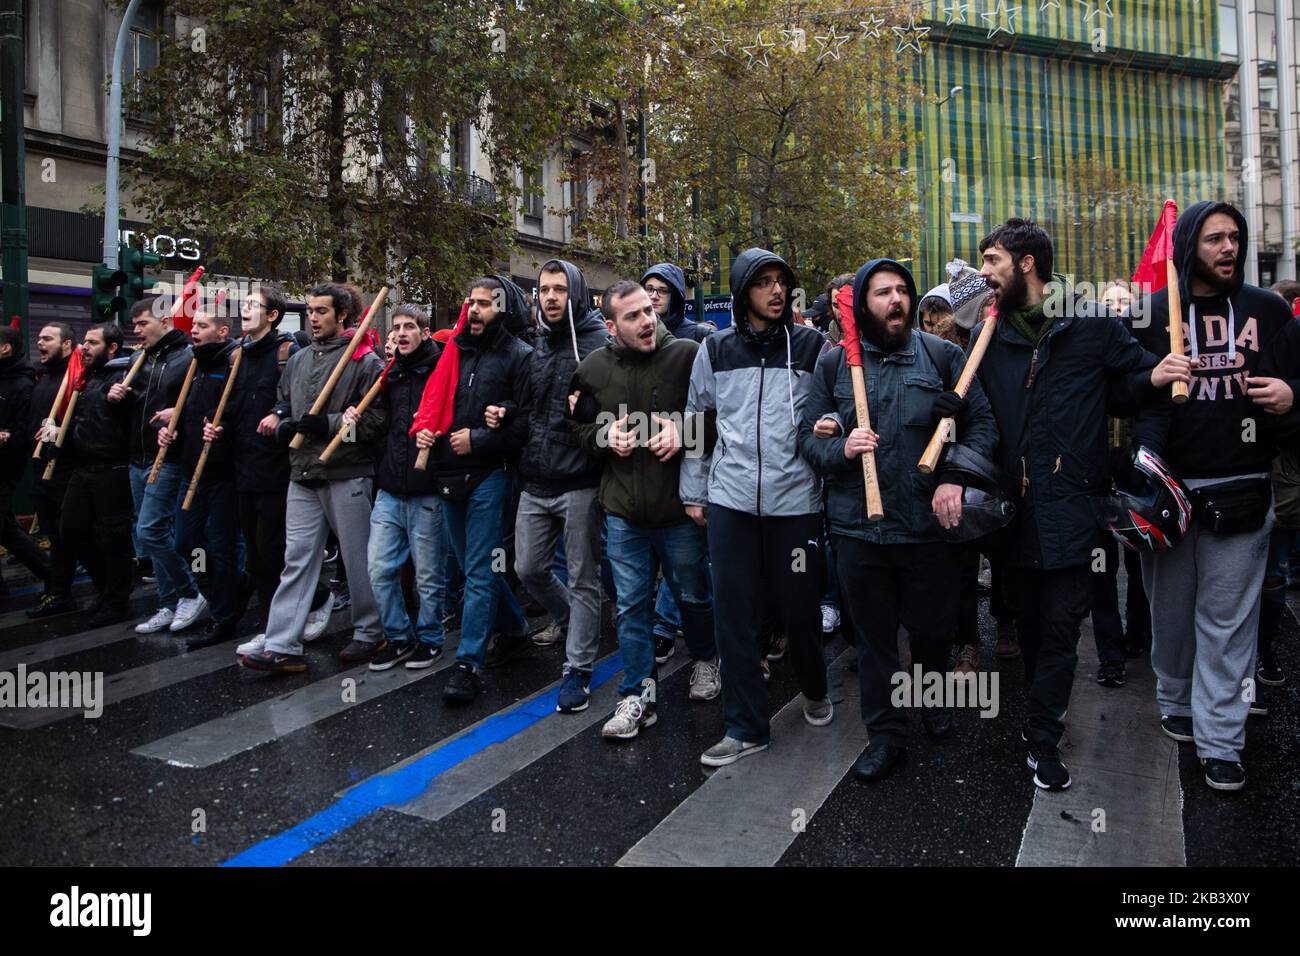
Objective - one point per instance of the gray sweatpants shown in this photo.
(575, 606)
(1204, 620)
(309, 514)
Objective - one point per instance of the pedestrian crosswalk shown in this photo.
(1124, 808)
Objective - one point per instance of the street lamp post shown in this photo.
(115, 137)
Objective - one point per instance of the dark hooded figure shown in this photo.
(899, 569)
(1046, 373)
(1205, 591)
(666, 285)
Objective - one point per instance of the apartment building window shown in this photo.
(142, 48)
(1229, 48)
(533, 185)
(579, 186)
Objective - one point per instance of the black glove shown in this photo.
(315, 425)
(586, 409)
(947, 405)
(285, 431)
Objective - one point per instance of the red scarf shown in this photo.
(439, 395)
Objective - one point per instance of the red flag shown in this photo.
(1295, 309)
(188, 303)
(369, 344)
(75, 374)
(1151, 274)
(383, 376)
(848, 325)
(435, 408)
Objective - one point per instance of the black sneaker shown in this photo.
(50, 605)
(575, 693)
(938, 721)
(1111, 674)
(214, 633)
(1178, 728)
(1049, 771)
(506, 647)
(462, 686)
(1258, 706)
(275, 662)
(424, 655)
(1224, 774)
(665, 647)
(359, 651)
(1270, 672)
(107, 614)
(392, 655)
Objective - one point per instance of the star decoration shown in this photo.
(956, 12)
(795, 38)
(1097, 8)
(995, 19)
(760, 45)
(831, 44)
(871, 28)
(1042, 7)
(916, 34)
(720, 40)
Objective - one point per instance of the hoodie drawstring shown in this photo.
(789, 372)
(573, 333)
(1232, 332)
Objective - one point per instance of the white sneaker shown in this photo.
(254, 646)
(188, 610)
(633, 713)
(159, 622)
(552, 634)
(318, 620)
(706, 680)
(819, 713)
(830, 618)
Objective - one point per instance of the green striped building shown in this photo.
(1082, 121)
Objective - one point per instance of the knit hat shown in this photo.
(967, 291)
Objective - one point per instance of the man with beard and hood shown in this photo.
(899, 569)
(1047, 377)
(212, 520)
(97, 511)
(763, 499)
(561, 480)
(478, 399)
(1205, 591)
(17, 380)
(54, 345)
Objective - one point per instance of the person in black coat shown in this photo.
(54, 345)
(17, 380)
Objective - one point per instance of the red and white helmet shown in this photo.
(1151, 509)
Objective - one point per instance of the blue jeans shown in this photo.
(401, 528)
(668, 620)
(635, 554)
(156, 508)
(475, 529)
(212, 523)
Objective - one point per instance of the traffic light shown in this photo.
(107, 296)
(134, 262)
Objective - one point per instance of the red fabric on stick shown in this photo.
(848, 325)
(1151, 274)
(76, 381)
(439, 395)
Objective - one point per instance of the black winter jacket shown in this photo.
(261, 462)
(157, 386)
(205, 395)
(403, 388)
(100, 432)
(49, 376)
(17, 382)
(553, 461)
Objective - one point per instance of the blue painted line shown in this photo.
(404, 785)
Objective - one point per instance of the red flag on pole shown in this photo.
(440, 391)
(367, 345)
(188, 303)
(1151, 274)
(75, 374)
(848, 325)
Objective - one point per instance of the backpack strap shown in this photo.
(944, 366)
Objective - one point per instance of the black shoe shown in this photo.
(1178, 728)
(877, 761)
(1049, 772)
(1111, 674)
(1135, 645)
(424, 655)
(144, 570)
(214, 633)
(1258, 706)
(50, 605)
(937, 721)
(1224, 774)
(107, 614)
(1270, 672)
(359, 651)
(462, 686)
(392, 655)
(275, 662)
(665, 647)
(506, 647)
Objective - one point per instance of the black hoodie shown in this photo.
(17, 381)
(157, 386)
(553, 461)
(209, 382)
(676, 321)
(404, 385)
(1234, 334)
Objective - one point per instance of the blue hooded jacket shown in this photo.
(676, 321)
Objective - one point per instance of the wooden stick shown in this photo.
(1175, 325)
(58, 397)
(137, 363)
(338, 439)
(176, 419)
(323, 398)
(216, 423)
(875, 505)
(63, 433)
(422, 460)
(930, 459)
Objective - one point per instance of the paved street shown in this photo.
(311, 769)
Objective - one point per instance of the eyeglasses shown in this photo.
(767, 282)
(656, 291)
